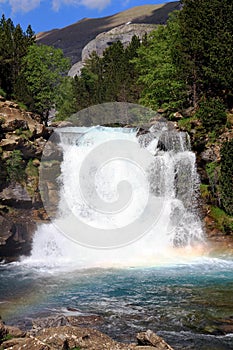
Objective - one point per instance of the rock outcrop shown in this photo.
(123, 33)
(22, 140)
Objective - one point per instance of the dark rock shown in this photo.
(16, 235)
(142, 131)
(3, 331)
(16, 124)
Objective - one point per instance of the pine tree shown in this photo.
(205, 52)
(14, 44)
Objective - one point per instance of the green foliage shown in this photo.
(224, 222)
(110, 78)
(5, 338)
(14, 44)
(205, 193)
(65, 100)
(162, 86)
(24, 134)
(204, 54)
(226, 176)
(44, 70)
(186, 123)
(2, 92)
(31, 170)
(212, 114)
(15, 167)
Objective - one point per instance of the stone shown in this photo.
(208, 155)
(152, 339)
(48, 322)
(16, 195)
(26, 344)
(9, 144)
(177, 115)
(15, 332)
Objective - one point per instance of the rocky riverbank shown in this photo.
(64, 333)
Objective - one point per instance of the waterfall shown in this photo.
(120, 198)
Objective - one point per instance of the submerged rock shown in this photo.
(152, 339)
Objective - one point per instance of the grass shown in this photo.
(186, 123)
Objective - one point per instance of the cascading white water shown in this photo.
(169, 178)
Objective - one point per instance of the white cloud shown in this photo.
(28, 5)
(92, 4)
(23, 5)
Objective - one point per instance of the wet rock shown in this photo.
(62, 320)
(85, 321)
(16, 232)
(48, 322)
(152, 339)
(6, 232)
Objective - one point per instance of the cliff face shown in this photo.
(22, 138)
(74, 38)
(123, 33)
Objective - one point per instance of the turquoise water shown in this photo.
(187, 304)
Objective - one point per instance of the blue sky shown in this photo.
(49, 14)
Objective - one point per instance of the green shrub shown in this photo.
(212, 114)
(226, 176)
(15, 166)
(223, 221)
(186, 123)
(24, 134)
(2, 92)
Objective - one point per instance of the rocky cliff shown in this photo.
(123, 33)
(22, 138)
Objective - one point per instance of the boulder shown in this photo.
(16, 195)
(149, 338)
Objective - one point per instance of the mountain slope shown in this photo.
(73, 38)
